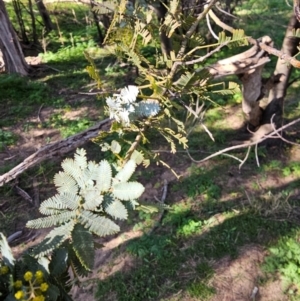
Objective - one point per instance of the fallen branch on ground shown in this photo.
(54, 149)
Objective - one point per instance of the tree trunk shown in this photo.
(282, 71)
(9, 45)
(18, 12)
(45, 15)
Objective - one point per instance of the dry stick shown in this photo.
(54, 149)
(270, 135)
(14, 236)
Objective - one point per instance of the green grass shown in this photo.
(283, 258)
(162, 258)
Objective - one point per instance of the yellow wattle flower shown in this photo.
(28, 276)
(19, 295)
(44, 286)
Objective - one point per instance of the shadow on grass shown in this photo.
(174, 259)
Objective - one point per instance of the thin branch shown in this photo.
(271, 50)
(246, 157)
(244, 145)
(210, 28)
(188, 35)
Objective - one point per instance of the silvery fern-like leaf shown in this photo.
(72, 200)
(93, 169)
(6, 252)
(126, 172)
(64, 182)
(71, 168)
(80, 158)
(49, 221)
(104, 176)
(128, 191)
(117, 210)
(53, 205)
(147, 108)
(99, 225)
(54, 239)
(92, 199)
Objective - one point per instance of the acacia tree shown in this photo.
(9, 45)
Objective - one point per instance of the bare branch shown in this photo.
(273, 134)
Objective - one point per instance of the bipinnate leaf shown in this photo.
(54, 239)
(117, 210)
(128, 191)
(58, 203)
(92, 199)
(80, 158)
(104, 176)
(59, 261)
(92, 170)
(65, 183)
(73, 169)
(6, 252)
(83, 246)
(49, 221)
(71, 200)
(126, 172)
(99, 225)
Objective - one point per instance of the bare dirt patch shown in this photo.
(239, 279)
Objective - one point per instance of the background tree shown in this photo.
(9, 45)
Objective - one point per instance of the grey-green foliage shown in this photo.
(89, 195)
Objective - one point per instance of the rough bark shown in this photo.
(9, 45)
(18, 13)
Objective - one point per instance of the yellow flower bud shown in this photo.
(4, 270)
(39, 298)
(44, 286)
(28, 276)
(18, 284)
(39, 274)
(19, 295)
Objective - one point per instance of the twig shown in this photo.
(244, 145)
(280, 135)
(210, 28)
(283, 56)
(14, 236)
(225, 12)
(256, 155)
(23, 194)
(246, 157)
(39, 112)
